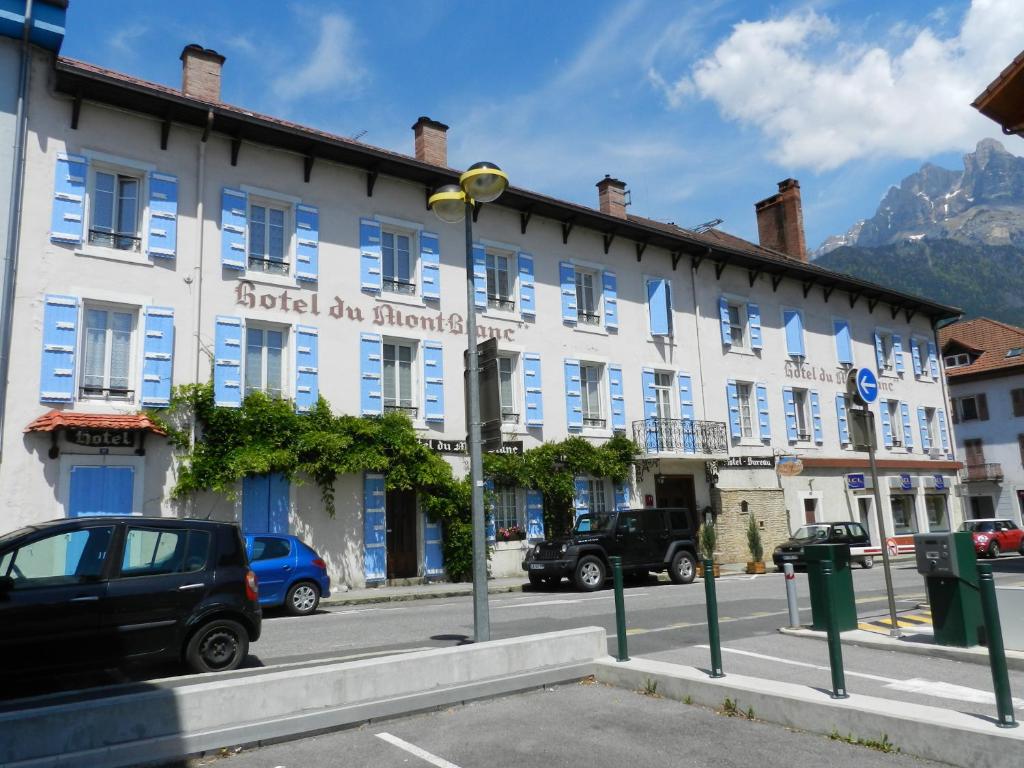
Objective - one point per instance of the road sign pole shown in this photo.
(894, 630)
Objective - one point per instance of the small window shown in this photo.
(264, 360)
(270, 548)
(801, 403)
(598, 500)
(888, 356)
(398, 378)
(931, 424)
(895, 422)
(506, 390)
(116, 211)
(590, 390)
(663, 394)
(153, 552)
(1017, 398)
(267, 239)
(738, 324)
(957, 360)
(744, 393)
(968, 408)
(61, 559)
(587, 298)
(922, 358)
(397, 261)
(107, 353)
(1015, 352)
(500, 281)
(506, 511)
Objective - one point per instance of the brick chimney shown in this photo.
(611, 196)
(200, 72)
(431, 141)
(780, 221)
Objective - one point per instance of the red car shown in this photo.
(995, 535)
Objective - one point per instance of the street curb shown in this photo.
(412, 594)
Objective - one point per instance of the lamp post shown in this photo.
(481, 183)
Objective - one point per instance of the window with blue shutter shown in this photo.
(233, 224)
(723, 316)
(659, 307)
(922, 423)
(307, 367)
(371, 368)
(915, 356)
(841, 419)
(370, 277)
(157, 357)
(60, 336)
(763, 417)
(534, 514)
(610, 284)
(430, 265)
(532, 394)
(227, 362)
(479, 277)
(883, 407)
(618, 399)
(816, 425)
(433, 550)
(573, 395)
(933, 360)
(581, 500)
(733, 398)
(754, 324)
(67, 217)
(897, 351)
(908, 430)
(162, 240)
(433, 381)
(943, 429)
(879, 353)
(789, 409)
(621, 496)
(567, 280)
(307, 243)
(794, 323)
(844, 344)
(375, 551)
(527, 285)
(686, 412)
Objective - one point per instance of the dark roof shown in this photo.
(88, 81)
(991, 340)
(1003, 99)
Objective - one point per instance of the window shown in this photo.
(506, 390)
(1020, 446)
(904, 517)
(810, 510)
(744, 392)
(151, 552)
(115, 211)
(500, 281)
(895, 422)
(801, 402)
(59, 560)
(264, 348)
(397, 261)
(974, 452)
(398, 379)
(738, 324)
(269, 548)
(935, 504)
(929, 418)
(598, 500)
(107, 357)
(968, 408)
(1017, 398)
(590, 389)
(663, 393)
(587, 298)
(957, 360)
(267, 238)
(921, 347)
(1015, 352)
(506, 511)
(887, 351)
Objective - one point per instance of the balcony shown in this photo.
(980, 473)
(681, 436)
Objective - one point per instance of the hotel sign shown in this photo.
(101, 438)
(459, 447)
(802, 372)
(748, 462)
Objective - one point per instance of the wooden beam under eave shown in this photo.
(752, 275)
(777, 281)
(236, 144)
(609, 238)
(524, 220)
(371, 182)
(566, 230)
(307, 167)
(807, 288)
(165, 132)
(828, 292)
(76, 110)
(719, 268)
(640, 248)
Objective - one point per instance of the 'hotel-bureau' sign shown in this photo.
(102, 438)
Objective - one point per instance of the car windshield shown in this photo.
(811, 532)
(594, 523)
(978, 526)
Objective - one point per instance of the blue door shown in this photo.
(265, 504)
(101, 490)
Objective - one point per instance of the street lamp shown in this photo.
(481, 183)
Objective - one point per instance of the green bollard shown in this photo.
(835, 646)
(712, 602)
(620, 609)
(996, 652)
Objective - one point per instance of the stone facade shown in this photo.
(769, 508)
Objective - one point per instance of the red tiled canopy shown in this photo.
(56, 419)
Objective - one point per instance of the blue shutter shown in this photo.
(533, 395)
(723, 316)
(430, 265)
(915, 356)
(233, 223)
(922, 424)
(897, 351)
(163, 215)
(307, 243)
(375, 551)
(60, 335)
(754, 323)
(489, 509)
(611, 300)
(883, 407)
(686, 410)
(479, 276)
(943, 429)
(534, 514)
(66, 222)
(650, 398)
(573, 395)
(307, 367)
(371, 367)
(844, 345)
(794, 332)
(567, 278)
(581, 501)
(658, 307)
(733, 398)
(789, 409)
(908, 431)
(280, 502)
(933, 360)
(879, 353)
(433, 551)
(370, 279)
(819, 433)
(621, 496)
(844, 426)
(527, 286)
(433, 381)
(618, 399)
(256, 504)
(763, 416)
(227, 362)
(157, 357)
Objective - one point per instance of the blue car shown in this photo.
(288, 571)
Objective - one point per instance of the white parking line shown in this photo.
(568, 600)
(412, 749)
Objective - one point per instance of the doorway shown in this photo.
(865, 506)
(401, 534)
(810, 510)
(677, 491)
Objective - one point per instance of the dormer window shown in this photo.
(959, 359)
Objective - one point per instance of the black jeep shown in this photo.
(646, 540)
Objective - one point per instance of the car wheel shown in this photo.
(217, 646)
(302, 599)
(683, 568)
(867, 562)
(589, 574)
(993, 549)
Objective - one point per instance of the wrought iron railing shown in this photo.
(588, 318)
(977, 473)
(657, 435)
(270, 266)
(117, 240)
(498, 302)
(396, 285)
(87, 391)
(409, 410)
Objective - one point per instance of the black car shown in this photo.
(647, 540)
(852, 534)
(104, 591)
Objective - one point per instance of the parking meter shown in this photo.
(949, 566)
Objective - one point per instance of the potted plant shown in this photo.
(756, 564)
(512, 533)
(707, 540)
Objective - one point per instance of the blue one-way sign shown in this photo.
(867, 385)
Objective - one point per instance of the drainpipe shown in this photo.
(10, 264)
(197, 281)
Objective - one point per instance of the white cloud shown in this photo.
(823, 102)
(332, 67)
(125, 40)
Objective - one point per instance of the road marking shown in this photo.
(566, 600)
(412, 749)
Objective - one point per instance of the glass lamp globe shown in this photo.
(484, 182)
(449, 203)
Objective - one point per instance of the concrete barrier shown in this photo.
(169, 721)
(1011, 616)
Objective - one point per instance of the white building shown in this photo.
(165, 233)
(985, 372)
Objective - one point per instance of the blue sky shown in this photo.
(701, 107)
